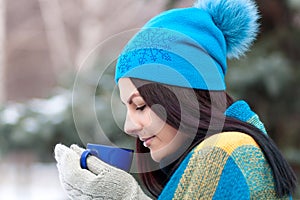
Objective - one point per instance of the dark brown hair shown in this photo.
(182, 107)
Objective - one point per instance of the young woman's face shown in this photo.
(161, 138)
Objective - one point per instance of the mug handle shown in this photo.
(85, 155)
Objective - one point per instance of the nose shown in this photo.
(132, 126)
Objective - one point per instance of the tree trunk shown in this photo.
(2, 51)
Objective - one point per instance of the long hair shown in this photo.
(182, 107)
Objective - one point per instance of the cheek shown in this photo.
(167, 135)
(142, 118)
(155, 123)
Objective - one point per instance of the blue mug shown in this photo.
(115, 156)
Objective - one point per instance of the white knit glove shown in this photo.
(101, 181)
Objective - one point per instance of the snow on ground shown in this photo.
(37, 181)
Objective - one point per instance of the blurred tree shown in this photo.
(274, 13)
(269, 76)
(2, 50)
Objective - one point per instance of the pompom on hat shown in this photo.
(189, 47)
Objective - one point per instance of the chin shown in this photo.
(156, 156)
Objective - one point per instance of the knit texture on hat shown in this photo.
(188, 47)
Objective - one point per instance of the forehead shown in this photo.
(127, 88)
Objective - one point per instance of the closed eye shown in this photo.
(141, 108)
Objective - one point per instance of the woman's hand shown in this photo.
(101, 181)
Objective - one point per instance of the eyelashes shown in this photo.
(141, 108)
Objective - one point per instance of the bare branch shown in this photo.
(56, 34)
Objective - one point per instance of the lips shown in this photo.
(147, 141)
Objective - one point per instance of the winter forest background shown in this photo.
(50, 93)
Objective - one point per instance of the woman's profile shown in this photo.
(193, 141)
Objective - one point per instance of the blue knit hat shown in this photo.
(188, 47)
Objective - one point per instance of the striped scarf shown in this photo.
(228, 165)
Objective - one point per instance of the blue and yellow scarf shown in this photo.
(228, 165)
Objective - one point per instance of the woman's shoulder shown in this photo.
(230, 164)
(236, 148)
(228, 142)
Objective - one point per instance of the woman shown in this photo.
(171, 80)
